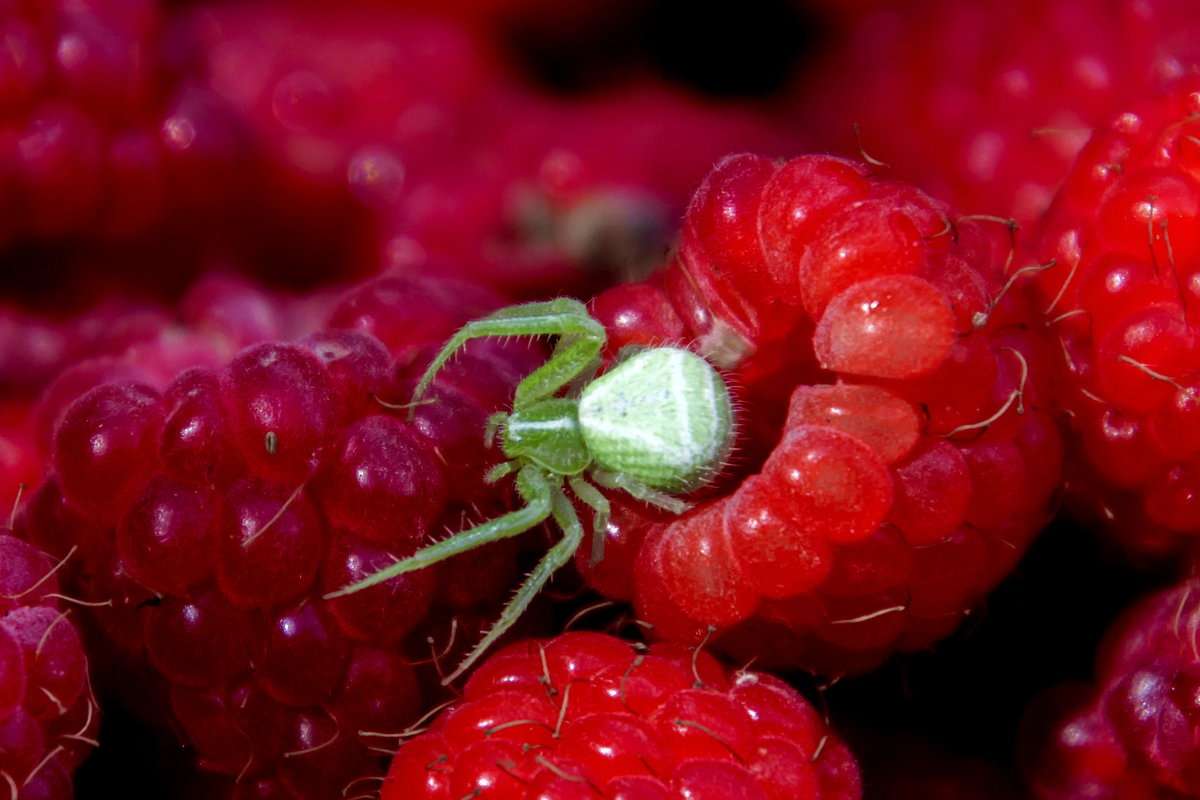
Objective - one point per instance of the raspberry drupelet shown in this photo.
(897, 453)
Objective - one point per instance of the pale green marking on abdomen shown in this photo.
(662, 417)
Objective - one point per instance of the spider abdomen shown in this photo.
(662, 417)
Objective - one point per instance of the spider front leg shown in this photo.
(534, 487)
(494, 423)
(566, 317)
(575, 357)
(554, 560)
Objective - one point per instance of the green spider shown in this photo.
(658, 423)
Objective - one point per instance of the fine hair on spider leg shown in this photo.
(564, 317)
(554, 560)
(657, 424)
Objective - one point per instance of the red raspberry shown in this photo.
(895, 406)
(49, 719)
(73, 354)
(20, 463)
(1132, 732)
(985, 104)
(233, 491)
(587, 191)
(81, 89)
(124, 340)
(114, 146)
(331, 92)
(457, 158)
(589, 715)
(1118, 253)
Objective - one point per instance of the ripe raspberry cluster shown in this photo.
(456, 157)
(1131, 733)
(49, 718)
(986, 104)
(207, 510)
(587, 715)
(223, 482)
(914, 456)
(1117, 258)
(350, 136)
(78, 140)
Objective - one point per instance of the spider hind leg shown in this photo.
(554, 560)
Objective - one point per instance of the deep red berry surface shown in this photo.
(82, 88)
(208, 469)
(206, 492)
(589, 715)
(898, 449)
(49, 718)
(118, 157)
(1114, 275)
(1132, 731)
(966, 102)
(449, 153)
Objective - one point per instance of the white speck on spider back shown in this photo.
(662, 417)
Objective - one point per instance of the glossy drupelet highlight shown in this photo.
(898, 451)
(586, 715)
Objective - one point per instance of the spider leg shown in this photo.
(534, 488)
(602, 511)
(562, 316)
(575, 355)
(500, 470)
(612, 480)
(494, 423)
(556, 557)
